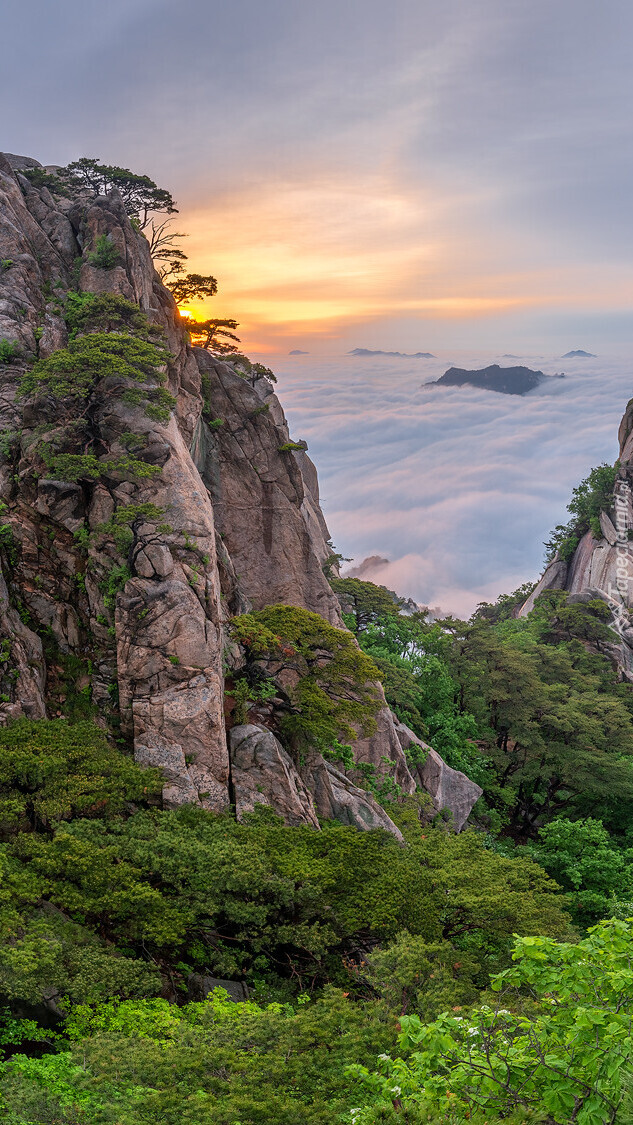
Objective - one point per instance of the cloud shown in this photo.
(458, 488)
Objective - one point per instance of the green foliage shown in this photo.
(114, 581)
(53, 771)
(416, 975)
(264, 900)
(141, 196)
(105, 312)
(259, 370)
(567, 1057)
(41, 179)
(583, 859)
(290, 446)
(8, 350)
(365, 602)
(105, 255)
(46, 956)
(75, 371)
(208, 1062)
(244, 695)
(593, 495)
(214, 334)
(125, 519)
(551, 722)
(192, 286)
(77, 467)
(333, 693)
(506, 605)
(416, 661)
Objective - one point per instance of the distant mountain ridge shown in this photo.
(503, 380)
(400, 355)
(579, 354)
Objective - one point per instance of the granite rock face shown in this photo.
(337, 798)
(602, 567)
(264, 508)
(237, 525)
(262, 773)
(449, 789)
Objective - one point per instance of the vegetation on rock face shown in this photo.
(216, 335)
(75, 371)
(140, 195)
(106, 312)
(8, 350)
(113, 351)
(325, 683)
(192, 286)
(589, 498)
(105, 255)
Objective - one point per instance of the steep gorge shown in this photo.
(222, 516)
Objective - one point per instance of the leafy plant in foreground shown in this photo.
(567, 1056)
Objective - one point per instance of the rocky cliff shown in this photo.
(602, 565)
(138, 520)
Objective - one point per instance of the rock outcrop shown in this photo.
(223, 516)
(450, 790)
(263, 774)
(601, 567)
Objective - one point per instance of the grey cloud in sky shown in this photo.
(515, 118)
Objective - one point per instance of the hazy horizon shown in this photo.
(457, 487)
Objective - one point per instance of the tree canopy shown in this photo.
(141, 196)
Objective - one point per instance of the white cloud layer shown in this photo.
(457, 487)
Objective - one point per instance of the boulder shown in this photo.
(262, 773)
(200, 985)
(337, 798)
(448, 788)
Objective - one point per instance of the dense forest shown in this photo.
(383, 981)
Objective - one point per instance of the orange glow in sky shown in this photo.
(323, 261)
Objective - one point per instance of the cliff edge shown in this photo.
(144, 511)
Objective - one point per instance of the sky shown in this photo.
(411, 176)
(453, 177)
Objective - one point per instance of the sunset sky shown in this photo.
(413, 176)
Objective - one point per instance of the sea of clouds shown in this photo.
(456, 487)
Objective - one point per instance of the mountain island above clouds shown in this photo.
(504, 380)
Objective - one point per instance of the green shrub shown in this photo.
(593, 495)
(75, 371)
(209, 1062)
(105, 312)
(8, 350)
(52, 771)
(76, 467)
(262, 900)
(105, 255)
(335, 694)
(567, 1057)
(41, 179)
